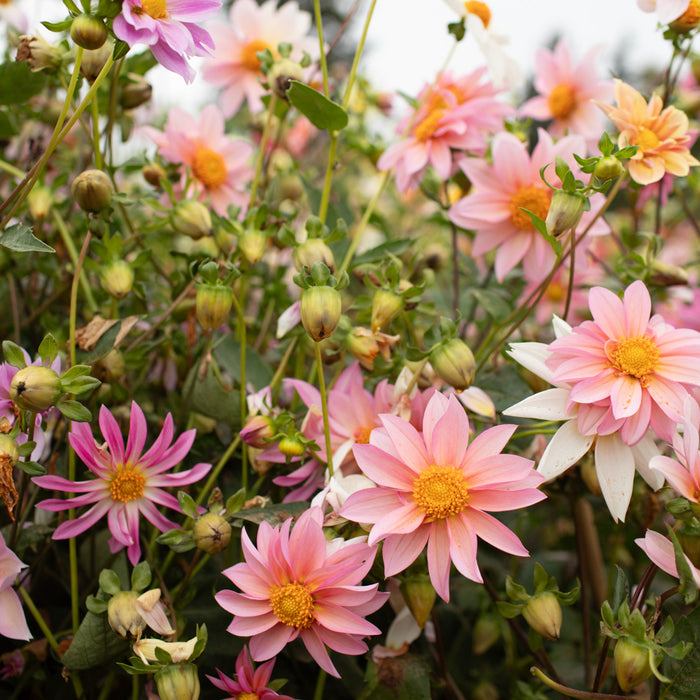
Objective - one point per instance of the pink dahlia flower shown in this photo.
(12, 621)
(250, 684)
(660, 550)
(234, 65)
(217, 164)
(511, 183)
(170, 28)
(298, 584)
(565, 92)
(434, 488)
(128, 484)
(454, 117)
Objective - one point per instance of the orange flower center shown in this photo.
(556, 292)
(248, 58)
(293, 605)
(209, 168)
(362, 434)
(247, 696)
(689, 19)
(440, 492)
(153, 8)
(534, 199)
(428, 125)
(561, 101)
(127, 485)
(636, 357)
(481, 10)
(646, 139)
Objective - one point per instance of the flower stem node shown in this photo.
(320, 311)
(419, 594)
(543, 613)
(117, 279)
(191, 218)
(564, 212)
(453, 362)
(386, 306)
(632, 665)
(35, 388)
(214, 303)
(92, 191)
(212, 533)
(88, 32)
(178, 682)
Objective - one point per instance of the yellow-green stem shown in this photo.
(324, 408)
(325, 195)
(358, 53)
(243, 340)
(261, 149)
(319, 30)
(95, 116)
(571, 692)
(8, 168)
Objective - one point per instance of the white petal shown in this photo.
(564, 449)
(477, 400)
(643, 452)
(615, 467)
(547, 405)
(532, 356)
(561, 327)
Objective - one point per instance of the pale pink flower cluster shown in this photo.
(454, 117)
(435, 489)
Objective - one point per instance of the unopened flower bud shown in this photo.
(631, 664)
(212, 533)
(386, 306)
(564, 212)
(214, 303)
(92, 191)
(145, 649)
(252, 244)
(88, 32)
(136, 92)
(39, 54)
(123, 616)
(485, 690)
(178, 682)
(320, 311)
(117, 279)
(153, 174)
(608, 168)
(419, 594)
(291, 187)
(192, 219)
(454, 363)
(281, 74)
(35, 388)
(110, 368)
(312, 251)
(291, 447)
(485, 633)
(362, 345)
(689, 20)
(257, 431)
(543, 613)
(39, 201)
(94, 61)
(9, 450)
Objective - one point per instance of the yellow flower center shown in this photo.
(154, 8)
(209, 168)
(440, 492)
(636, 357)
(293, 605)
(127, 485)
(362, 434)
(428, 125)
(646, 139)
(561, 101)
(689, 19)
(556, 292)
(248, 58)
(247, 696)
(534, 199)
(481, 10)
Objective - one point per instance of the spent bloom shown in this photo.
(12, 622)
(434, 488)
(217, 164)
(506, 186)
(660, 550)
(128, 482)
(565, 91)
(250, 682)
(297, 584)
(454, 116)
(235, 66)
(661, 135)
(170, 28)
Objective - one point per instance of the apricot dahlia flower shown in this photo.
(661, 134)
(297, 584)
(433, 488)
(128, 483)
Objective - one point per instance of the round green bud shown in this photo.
(632, 665)
(117, 279)
(252, 245)
(178, 682)
(608, 168)
(88, 32)
(212, 533)
(291, 447)
(136, 92)
(123, 616)
(386, 306)
(320, 311)
(312, 251)
(192, 219)
(214, 303)
(454, 363)
(543, 613)
(564, 213)
(92, 191)
(35, 388)
(419, 594)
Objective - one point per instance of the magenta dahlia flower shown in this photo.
(434, 488)
(250, 683)
(128, 484)
(298, 584)
(170, 28)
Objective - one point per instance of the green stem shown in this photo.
(358, 53)
(571, 692)
(8, 168)
(95, 116)
(243, 340)
(324, 408)
(261, 152)
(320, 684)
(74, 297)
(319, 30)
(325, 195)
(217, 470)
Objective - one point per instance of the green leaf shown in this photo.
(94, 644)
(382, 252)
(96, 605)
(48, 349)
(141, 576)
(73, 410)
(684, 673)
(228, 354)
(32, 468)
(109, 582)
(18, 83)
(275, 514)
(13, 354)
(688, 587)
(317, 108)
(541, 226)
(19, 237)
(7, 126)
(62, 26)
(457, 29)
(235, 502)
(492, 302)
(187, 505)
(121, 48)
(80, 385)
(621, 589)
